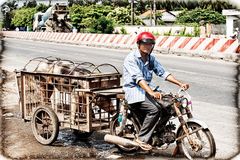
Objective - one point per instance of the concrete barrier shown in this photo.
(212, 47)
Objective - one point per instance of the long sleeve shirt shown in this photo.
(134, 70)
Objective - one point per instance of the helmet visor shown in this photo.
(147, 41)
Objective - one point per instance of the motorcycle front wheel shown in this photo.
(129, 131)
(203, 145)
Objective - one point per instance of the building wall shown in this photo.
(160, 30)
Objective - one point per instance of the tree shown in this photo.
(116, 3)
(83, 16)
(197, 15)
(82, 2)
(216, 5)
(76, 15)
(41, 8)
(102, 25)
(121, 15)
(30, 3)
(8, 10)
(24, 17)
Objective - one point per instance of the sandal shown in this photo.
(144, 146)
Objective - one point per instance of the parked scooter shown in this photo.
(192, 137)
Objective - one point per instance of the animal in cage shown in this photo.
(50, 84)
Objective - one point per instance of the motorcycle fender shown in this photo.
(201, 123)
(194, 120)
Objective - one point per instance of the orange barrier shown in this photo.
(215, 47)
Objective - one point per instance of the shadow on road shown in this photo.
(1, 57)
(236, 102)
(1, 82)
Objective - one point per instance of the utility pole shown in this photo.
(154, 13)
(132, 12)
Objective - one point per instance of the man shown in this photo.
(236, 35)
(138, 68)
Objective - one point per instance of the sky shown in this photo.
(1, 2)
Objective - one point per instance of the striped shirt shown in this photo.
(135, 70)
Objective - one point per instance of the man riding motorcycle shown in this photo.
(138, 69)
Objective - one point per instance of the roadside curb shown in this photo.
(217, 48)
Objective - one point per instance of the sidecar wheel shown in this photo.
(45, 125)
(204, 147)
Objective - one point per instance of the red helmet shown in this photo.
(146, 37)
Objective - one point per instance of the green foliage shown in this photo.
(142, 5)
(30, 4)
(41, 8)
(138, 21)
(156, 33)
(159, 18)
(77, 15)
(121, 16)
(119, 3)
(91, 17)
(168, 33)
(123, 30)
(23, 17)
(182, 32)
(215, 5)
(1, 25)
(84, 16)
(101, 25)
(197, 15)
(83, 13)
(8, 9)
(196, 31)
(76, 2)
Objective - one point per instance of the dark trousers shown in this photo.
(148, 113)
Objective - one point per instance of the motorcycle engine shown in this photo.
(167, 136)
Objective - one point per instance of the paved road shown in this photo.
(214, 83)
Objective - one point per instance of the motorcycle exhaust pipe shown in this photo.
(120, 141)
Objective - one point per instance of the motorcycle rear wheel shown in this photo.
(204, 147)
(130, 130)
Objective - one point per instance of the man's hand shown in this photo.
(156, 95)
(184, 86)
(172, 79)
(145, 86)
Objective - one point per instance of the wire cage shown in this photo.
(82, 95)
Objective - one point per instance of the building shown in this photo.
(168, 17)
(232, 20)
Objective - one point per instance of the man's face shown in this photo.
(146, 48)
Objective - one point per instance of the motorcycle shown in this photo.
(192, 137)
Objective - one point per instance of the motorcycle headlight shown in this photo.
(184, 102)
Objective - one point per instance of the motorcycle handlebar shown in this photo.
(184, 91)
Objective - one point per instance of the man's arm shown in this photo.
(172, 79)
(143, 84)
